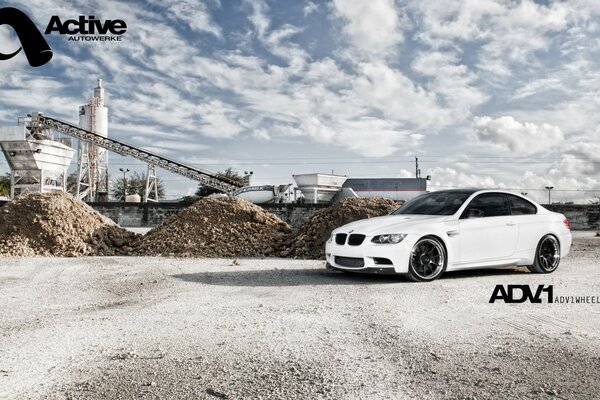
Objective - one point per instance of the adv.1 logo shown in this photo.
(521, 294)
(33, 43)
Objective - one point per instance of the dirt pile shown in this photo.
(309, 240)
(216, 227)
(57, 224)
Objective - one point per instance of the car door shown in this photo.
(487, 229)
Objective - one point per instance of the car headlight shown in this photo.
(391, 238)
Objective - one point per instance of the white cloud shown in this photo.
(520, 138)
(373, 26)
(259, 17)
(405, 77)
(508, 33)
(447, 177)
(394, 95)
(310, 8)
(194, 13)
(451, 80)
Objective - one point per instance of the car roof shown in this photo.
(474, 190)
(465, 190)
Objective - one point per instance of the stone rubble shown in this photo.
(57, 224)
(216, 227)
(308, 241)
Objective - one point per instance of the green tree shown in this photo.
(5, 185)
(72, 182)
(136, 184)
(230, 174)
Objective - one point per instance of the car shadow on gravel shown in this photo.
(300, 276)
(287, 277)
(473, 273)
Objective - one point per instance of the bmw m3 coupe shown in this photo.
(453, 230)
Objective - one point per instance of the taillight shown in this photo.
(567, 223)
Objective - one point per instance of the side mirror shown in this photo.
(474, 213)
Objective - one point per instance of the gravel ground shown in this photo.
(149, 328)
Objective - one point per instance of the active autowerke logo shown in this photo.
(35, 47)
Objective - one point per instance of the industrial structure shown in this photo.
(325, 188)
(38, 161)
(263, 194)
(206, 178)
(401, 189)
(319, 188)
(92, 161)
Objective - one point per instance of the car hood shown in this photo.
(389, 224)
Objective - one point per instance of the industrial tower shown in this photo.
(92, 161)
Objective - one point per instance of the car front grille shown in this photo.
(340, 238)
(356, 240)
(350, 262)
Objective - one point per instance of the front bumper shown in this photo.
(379, 271)
(371, 257)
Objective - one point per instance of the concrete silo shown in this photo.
(92, 161)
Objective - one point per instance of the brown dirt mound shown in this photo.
(216, 227)
(309, 240)
(57, 224)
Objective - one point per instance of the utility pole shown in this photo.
(549, 188)
(417, 171)
(124, 171)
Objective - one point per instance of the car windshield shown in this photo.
(436, 203)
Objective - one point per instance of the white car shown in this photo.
(452, 230)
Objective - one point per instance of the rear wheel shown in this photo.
(427, 260)
(547, 256)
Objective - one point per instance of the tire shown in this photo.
(427, 260)
(547, 256)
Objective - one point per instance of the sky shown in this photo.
(486, 93)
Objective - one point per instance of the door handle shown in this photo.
(510, 223)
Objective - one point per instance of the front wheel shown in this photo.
(547, 256)
(427, 260)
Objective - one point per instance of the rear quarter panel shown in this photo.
(532, 228)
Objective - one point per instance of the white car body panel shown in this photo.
(470, 243)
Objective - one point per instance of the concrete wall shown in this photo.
(137, 215)
(582, 216)
(150, 215)
(294, 214)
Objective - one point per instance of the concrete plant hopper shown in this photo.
(319, 188)
(37, 162)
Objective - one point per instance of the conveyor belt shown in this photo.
(206, 178)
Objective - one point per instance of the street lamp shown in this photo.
(549, 188)
(124, 171)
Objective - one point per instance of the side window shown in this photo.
(490, 205)
(520, 206)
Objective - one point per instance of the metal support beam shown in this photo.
(151, 192)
